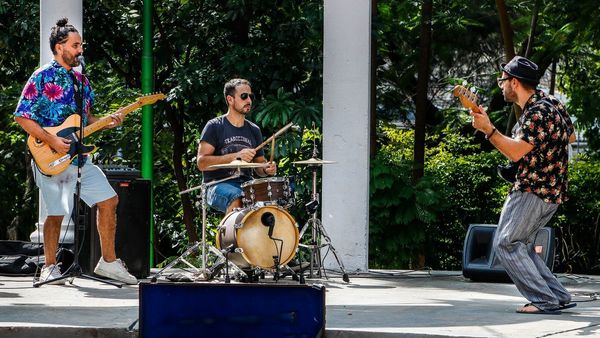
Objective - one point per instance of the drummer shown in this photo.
(228, 138)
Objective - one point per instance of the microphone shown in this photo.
(268, 220)
(82, 63)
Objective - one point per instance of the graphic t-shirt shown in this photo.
(227, 139)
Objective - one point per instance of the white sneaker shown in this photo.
(115, 270)
(50, 272)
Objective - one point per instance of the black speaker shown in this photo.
(132, 240)
(479, 258)
(231, 310)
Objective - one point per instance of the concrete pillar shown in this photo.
(346, 103)
(50, 12)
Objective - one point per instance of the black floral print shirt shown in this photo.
(546, 125)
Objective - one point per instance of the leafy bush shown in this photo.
(430, 217)
(577, 221)
(460, 187)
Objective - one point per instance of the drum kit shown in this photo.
(262, 235)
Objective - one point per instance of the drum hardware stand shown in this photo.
(276, 274)
(227, 251)
(207, 274)
(295, 276)
(318, 231)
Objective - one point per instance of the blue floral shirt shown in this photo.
(48, 97)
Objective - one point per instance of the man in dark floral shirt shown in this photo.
(47, 100)
(540, 145)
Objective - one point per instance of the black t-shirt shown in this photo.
(227, 139)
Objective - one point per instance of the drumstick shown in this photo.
(272, 150)
(279, 132)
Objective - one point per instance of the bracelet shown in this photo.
(487, 137)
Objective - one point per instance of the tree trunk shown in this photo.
(509, 52)
(553, 77)
(422, 82)
(534, 18)
(179, 148)
(506, 29)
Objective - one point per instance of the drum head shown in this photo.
(259, 249)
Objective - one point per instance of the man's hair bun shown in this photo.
(62, 22)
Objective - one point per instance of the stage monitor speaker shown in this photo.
(231, 310)
(132, 240)
(480, 262)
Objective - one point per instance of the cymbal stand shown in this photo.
(320, 238)
(207, 274)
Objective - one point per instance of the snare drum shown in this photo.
(268, 190)
(246, 231)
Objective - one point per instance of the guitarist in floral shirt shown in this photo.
(48, 99)
(540, 145)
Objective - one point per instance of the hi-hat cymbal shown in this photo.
(314, 161)
(239, 164)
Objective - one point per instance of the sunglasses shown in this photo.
(502, 79)
(244, 96)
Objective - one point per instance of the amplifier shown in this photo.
(120, 171)
(132, 240)
(480, 262)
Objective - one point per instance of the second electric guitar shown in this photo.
(51, 163)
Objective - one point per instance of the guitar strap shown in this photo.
(77, 90)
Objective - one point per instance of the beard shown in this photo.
(245, 110)
(509, 96)
(70, 59)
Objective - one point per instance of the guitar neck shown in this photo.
(106, 120)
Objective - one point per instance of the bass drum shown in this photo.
(247, 231)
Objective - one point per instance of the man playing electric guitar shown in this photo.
(48, 99)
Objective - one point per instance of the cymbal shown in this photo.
(239, 164)
(314, 161)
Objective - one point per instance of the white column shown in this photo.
(346, 102)
(50, 12)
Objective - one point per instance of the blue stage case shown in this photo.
(231, 310)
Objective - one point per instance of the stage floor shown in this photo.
(375, 304)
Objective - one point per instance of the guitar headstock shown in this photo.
(150, 98)
(467, 98)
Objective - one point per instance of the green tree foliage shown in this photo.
(18, 57)
(467, 49)
(199, 45)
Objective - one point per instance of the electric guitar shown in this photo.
(51, 162)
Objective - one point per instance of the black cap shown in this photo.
(522, 69)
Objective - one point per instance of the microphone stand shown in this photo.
(75, 269)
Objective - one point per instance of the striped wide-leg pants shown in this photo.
(522, 216)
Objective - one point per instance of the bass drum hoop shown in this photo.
(257, 249)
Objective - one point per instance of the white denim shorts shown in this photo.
(58, 190)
